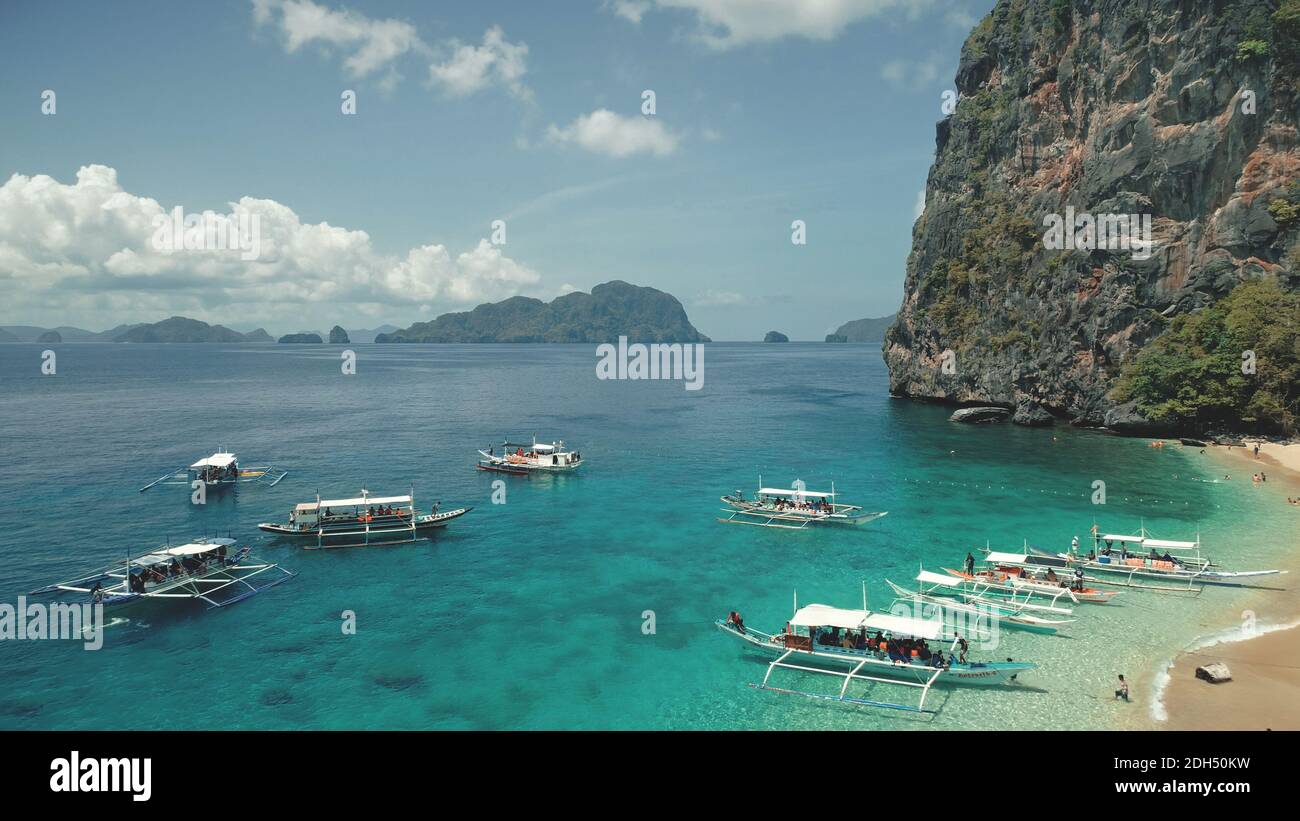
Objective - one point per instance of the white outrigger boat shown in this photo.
(973, 608)
(204, 569)
(362, 521)
(522, 459)
(815, 639)
(1137, 560)
(219, 470)
(793, 509)
(1020, 580)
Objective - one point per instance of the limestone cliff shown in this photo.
(1183, 110)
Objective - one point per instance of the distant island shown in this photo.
(862, 330)
(65, 333)
(184, 330)
(775, 336)
(611, 310)
(175, 329)
(300, 339)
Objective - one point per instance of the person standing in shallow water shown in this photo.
(1122, 692)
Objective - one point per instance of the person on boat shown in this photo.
(962, 649)
(1122, 692)
(970, 564)
(97, 592)
(1051, 576)
(1078, 579)
(1074, 545)
(937, 660)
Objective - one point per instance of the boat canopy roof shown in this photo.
(905, 626)
(823, 615)
(537, 446)
(1165, 543)
(166, 554)
(1143, 540)
(777, 491)
(994, 557)
(938, 578)
(216, 460)
(356, 502)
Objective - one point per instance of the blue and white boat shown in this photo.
(864, 646)
(205, 570)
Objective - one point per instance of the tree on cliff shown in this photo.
(1199, 372)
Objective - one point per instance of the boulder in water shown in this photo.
(979, 415)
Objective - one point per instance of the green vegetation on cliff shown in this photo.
(1192, 375)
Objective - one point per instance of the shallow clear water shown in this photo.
(529, 614)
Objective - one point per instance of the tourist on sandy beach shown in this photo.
(1122, 692)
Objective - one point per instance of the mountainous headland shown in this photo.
(611, 310)
(184, 330)
(862, 330)
(1111, 220)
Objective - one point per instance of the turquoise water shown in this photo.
(529, 614)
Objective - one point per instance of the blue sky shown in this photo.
(767, 111)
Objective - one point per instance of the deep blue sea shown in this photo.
(529, 614)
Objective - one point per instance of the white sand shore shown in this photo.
(1264, 693)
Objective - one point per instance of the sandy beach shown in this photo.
(1265, 690)
(1282, 461)
(1264, 693)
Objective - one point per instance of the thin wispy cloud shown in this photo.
(726, 24)
(567, 194)
(720, 299)
(913, 75)
(630, 10)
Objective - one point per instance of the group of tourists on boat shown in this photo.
(815, 506)
(1124, 553)
(160, 573)
(899, 651)
(215, 473)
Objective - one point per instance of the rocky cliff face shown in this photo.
(1183, 110)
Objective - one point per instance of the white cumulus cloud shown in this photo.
(604, 132)
(369, 45)
(470, 68)
(89, 249)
